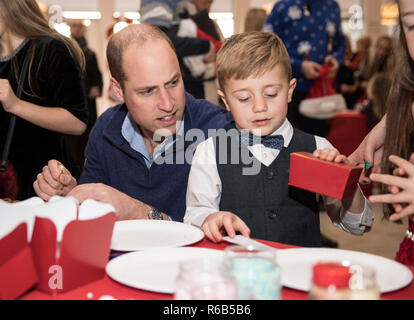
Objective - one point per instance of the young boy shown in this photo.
(254, 74)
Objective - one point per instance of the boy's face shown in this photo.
(259, 104)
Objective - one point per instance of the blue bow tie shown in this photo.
(274, 141)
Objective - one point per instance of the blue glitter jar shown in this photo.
(256, 272)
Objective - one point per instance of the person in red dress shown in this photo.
(390, 145)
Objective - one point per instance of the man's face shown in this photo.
(153, 90)
(203, 4)
(77, 29)
(259, 104)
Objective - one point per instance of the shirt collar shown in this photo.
(286, 130)
(132, 134)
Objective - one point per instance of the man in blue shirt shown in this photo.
(137, 154)
(312, 33)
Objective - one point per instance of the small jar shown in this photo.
(363, 283)
(256, 272)
(204, 279)
(330, 281)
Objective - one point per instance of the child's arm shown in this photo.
(401, 186)
(353, 214)
(204, 185)
(204, 194)
(224, 222)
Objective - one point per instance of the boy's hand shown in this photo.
(223, 222)
(332, 155)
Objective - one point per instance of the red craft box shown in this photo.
(336, 180)
(60, 247)
(80, 258)
(17, 269)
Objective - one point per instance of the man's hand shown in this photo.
(127, 208)
(7, 97)
(55, 180)
(210, 56)
(333, 63)
(311, 70)
(223, 222)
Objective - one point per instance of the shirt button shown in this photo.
(269, 175)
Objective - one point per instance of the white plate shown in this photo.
(155, 269)
(133, 235)
(297, 265)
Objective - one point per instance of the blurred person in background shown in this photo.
(255, 19)
(375, 107)
(346, 82)
(198, 11)
(360, 63)
(93, 82)
(360, 60)
(389, 147)
(52, 101)
(312, 33)
(384, 59)
(165, 14)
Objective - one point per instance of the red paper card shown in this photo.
(336, 180)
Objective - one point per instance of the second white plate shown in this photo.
(297, 265)
(134, 235)
(155, 269)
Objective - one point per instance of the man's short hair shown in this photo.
(251, 54)
(137, 34)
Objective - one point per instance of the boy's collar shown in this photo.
(286, 130)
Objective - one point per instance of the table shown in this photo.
(108, 287)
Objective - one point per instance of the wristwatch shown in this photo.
(154, 214)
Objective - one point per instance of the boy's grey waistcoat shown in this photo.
(271, 208)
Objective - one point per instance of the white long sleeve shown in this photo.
(204, 188)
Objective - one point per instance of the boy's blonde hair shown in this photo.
(251, 54)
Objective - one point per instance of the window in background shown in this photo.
(225, 20)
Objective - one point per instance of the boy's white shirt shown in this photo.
(204, 185)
